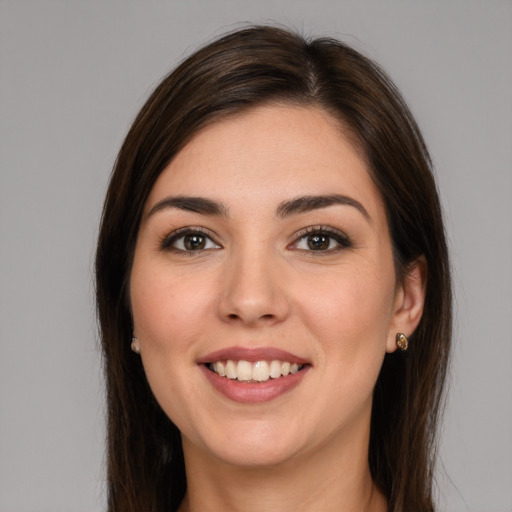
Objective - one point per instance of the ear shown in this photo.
(409, 302)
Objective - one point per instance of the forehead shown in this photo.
(275, 151)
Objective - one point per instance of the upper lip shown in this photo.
(252, 354)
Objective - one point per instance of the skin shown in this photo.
(257, 283)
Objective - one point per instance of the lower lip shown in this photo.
(254, 392)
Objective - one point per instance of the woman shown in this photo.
(272, 252)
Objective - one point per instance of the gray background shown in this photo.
(72, 76)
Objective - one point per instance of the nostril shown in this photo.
(234, 316)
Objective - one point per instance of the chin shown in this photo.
(254, 445)
(255, 455)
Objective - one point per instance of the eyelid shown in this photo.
(166, 241)
(339, 236)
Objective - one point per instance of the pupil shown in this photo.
(194, 242)
(318, 242)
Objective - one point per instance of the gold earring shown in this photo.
(135, 345)
(402, 342)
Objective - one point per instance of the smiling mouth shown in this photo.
(254, 372)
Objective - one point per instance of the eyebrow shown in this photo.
(191, 204)
(305, 204)
(301, 204)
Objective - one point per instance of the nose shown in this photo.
(253, 290)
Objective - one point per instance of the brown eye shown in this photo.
(187, 241)
(318, 242)
(194, 242)
(322, 239)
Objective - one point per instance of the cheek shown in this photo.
(166, 306)
(350, 312)
(167, 311)
(350, 322)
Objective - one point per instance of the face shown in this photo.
(264, 254)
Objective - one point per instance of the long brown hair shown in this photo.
(249, 67)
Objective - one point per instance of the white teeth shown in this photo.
(220, 368)
(260, 371)
(244, 370)
(231, 369)
(275, 369)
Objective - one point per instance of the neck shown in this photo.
(334, 478)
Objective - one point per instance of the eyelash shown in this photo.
(343, 241)
(167, 241)
(339, 237)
